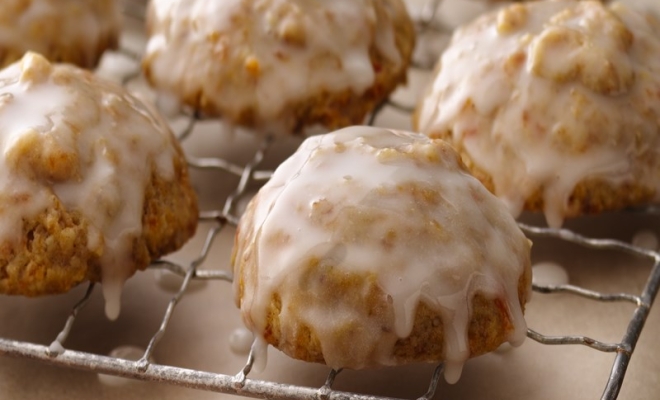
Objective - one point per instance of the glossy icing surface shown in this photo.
(390, 206)
(54, 26)
(66, 133)
(542, 96)
(264, 55)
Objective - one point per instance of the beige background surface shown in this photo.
(201, 325)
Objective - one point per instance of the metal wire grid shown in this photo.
(239, 384)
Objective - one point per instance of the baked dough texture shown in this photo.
(279, 65)
(371, 247)
(554, 106)
(71, 31)
(93, 185)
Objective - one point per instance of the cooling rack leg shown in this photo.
(326, 389)
(183, 135)
(56, 348)
(616, 376)
(632, 333)
(240, 378)
(435, 380)
(372, 118)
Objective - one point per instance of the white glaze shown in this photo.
(56, 347)
(130, 353)
(259, 351)
(45, 26)
(268, 54)
(66, 133)
(548, 94)
(240, 341)
(549, 273)
(504, 349)
(318, 205)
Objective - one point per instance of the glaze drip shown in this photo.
(268, 54)
(69, 30)
(544, 96)
(368, 213)
(69, 137)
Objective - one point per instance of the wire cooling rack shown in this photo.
(250, 175)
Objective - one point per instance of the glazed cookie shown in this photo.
(93, 184)
(554, 106)
(371, 247)
(71, 31)
(279, 65)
